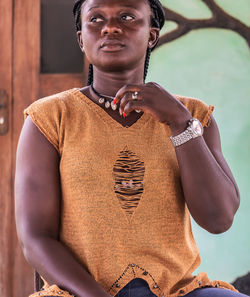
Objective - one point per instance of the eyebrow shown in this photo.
(93, 7)
(98, 6)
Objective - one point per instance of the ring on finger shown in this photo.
(134, 95)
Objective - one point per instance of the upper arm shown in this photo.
(212, 138)
(37, 185)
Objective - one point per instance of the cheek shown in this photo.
(89, 35)
(140, 42)
(141, 31)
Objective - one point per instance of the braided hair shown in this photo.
(157, 21)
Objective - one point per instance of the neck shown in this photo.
(109, 83)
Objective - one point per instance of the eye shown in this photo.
(96, 19)
(127, 17)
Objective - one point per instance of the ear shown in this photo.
(153, 37)
(79, 39)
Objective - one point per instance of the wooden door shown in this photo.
(24, 79)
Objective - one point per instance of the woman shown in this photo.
(107, 175)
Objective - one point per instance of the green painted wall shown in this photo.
(214, 65)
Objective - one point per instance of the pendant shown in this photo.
(107, 104)
(114, 106)
(101, 100)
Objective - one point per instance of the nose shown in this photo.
(111, 27)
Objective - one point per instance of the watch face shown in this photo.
(197, 127)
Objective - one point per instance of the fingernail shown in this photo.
(114, 101)
(124, 115)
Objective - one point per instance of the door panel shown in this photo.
(53, 83)
(62, 63)
(60, 52)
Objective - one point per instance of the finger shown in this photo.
(127, 97)
(126, 89)
(134, 105)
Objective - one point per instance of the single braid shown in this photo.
(157, 21)
(90, 75)
(158, 18)
(77, 14)
(148, 54)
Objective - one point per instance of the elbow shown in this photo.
(220, 222)
(216, 223)
(27, 248)
(220, 226)
(222, 219)
(27, 252)
(31, 246)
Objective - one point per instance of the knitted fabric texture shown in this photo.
(123, 214)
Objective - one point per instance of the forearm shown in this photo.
(58, 266)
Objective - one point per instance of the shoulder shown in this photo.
(198, 108)
(48, 115)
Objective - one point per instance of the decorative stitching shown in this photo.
(114, 284)
(133, 270)
(132, 266)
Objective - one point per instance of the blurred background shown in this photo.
(203, 53)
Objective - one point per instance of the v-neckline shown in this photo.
(107, 117)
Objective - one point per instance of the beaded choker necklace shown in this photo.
(105, 100)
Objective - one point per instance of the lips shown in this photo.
(112, 45)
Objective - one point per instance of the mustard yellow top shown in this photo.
(123, 213)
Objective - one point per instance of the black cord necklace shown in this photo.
(105, 100)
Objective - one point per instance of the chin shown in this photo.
(115, 67)
(117, 63)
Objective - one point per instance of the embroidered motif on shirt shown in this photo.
(128, 174)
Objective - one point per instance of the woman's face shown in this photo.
(116, 33)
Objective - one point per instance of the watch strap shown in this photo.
(182, 138)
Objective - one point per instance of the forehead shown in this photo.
(141, 5)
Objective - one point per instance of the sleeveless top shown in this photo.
(123, 213)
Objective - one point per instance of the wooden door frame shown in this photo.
(6, 178)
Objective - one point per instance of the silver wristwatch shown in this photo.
(193, 130)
